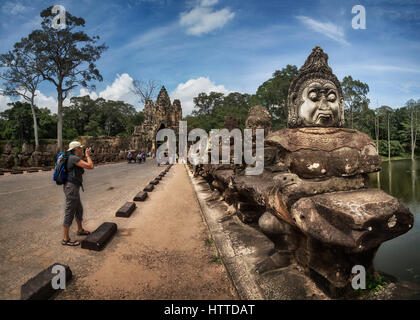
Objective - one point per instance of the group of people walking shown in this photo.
(140, 157)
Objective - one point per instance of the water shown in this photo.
(400, 257)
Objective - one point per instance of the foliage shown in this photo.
(373, 284)
(84, 117)
(211, 109)
(65, 57)
(355, 98)
(17, 123)
(100, 117)
(272, 94)
(216, 259)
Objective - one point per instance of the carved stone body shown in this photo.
(313, 197)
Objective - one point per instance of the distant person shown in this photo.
(129, 157)
(74, 208)
(195, 159)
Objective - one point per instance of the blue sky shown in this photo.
(192, 46)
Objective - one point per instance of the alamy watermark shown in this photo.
(243, 150)
(59, 20)
(359, 20)
(359, 280)
(59, 280)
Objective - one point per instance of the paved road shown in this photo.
(31, 215)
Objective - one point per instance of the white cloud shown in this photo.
(203, 19)
(4, 100)
(85, 92)
(42, 101)
(208, 3)
(187, 91)
(328, 29)
(120, 90)
(13, 8)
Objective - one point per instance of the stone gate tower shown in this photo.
(157, 115)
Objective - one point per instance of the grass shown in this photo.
(373, 284)
(216, 259)
(209, 241)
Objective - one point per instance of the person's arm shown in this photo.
(86, 164)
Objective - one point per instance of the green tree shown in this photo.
(18, 125)
(272, 94)
(205, 103)
(21, 79)
(355, 97)
(64, 57)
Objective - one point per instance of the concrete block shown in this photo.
(40, 287)
(141, 196)
(149, 188)
(126, 210)
(98, 239)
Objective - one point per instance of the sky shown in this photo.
(194, 46)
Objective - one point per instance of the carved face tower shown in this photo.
(315, 97)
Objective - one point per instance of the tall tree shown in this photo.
(18, 124)
(204, 103)
(21, 79)
(412, 105)
(355, 96)
(65, 57)
(386, 112)
(145, 90)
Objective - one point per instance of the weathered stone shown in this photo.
(278, 167)
(154, 182)
(258, 118)
(315, 97)
(340, 152)
(231, 123)
(158, 115)
(100, 237)
(17, 172)
(249, 213)
(272, 226)
(149, 188)
(32, 170)
(313, 197)
(40, 286)
(126, 210)
(358, 220)
(141, 196)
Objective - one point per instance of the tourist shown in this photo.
(74, 208)
(195, 159)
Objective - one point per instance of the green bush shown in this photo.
(396, 148)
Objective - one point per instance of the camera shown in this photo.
(92, 149)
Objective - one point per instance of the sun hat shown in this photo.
(74, 145)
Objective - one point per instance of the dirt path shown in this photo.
(165, 252)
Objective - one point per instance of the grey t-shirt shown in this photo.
(74, 172)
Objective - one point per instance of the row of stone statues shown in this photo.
(313, 198)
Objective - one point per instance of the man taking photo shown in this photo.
(74, 208)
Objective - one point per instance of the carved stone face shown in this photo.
(321, 104)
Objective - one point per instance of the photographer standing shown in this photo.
(74, 208)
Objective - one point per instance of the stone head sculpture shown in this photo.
(315, 98)
(259, 118)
